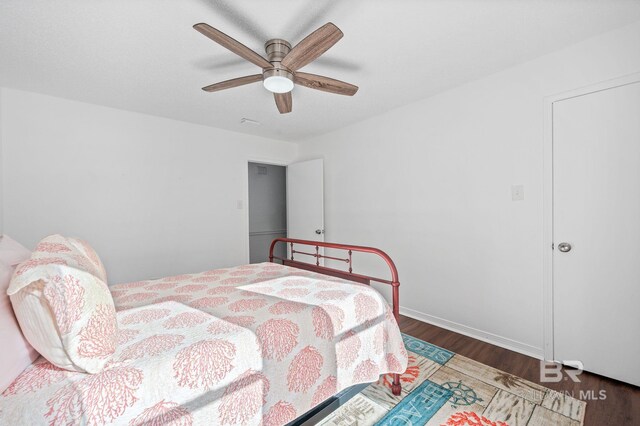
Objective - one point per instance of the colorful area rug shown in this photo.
(443, 388)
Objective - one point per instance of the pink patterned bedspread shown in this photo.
(254, 344)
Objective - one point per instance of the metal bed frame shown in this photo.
(347, 275)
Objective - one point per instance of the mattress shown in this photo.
(254, 344)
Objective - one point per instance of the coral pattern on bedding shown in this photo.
(258, 344)
(65, 309)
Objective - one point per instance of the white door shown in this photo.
(596, 210)
(305, 200)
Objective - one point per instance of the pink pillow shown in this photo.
(64, 307)
(16, 354)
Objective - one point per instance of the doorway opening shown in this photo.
(267, 209)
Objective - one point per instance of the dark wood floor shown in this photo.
(622, 403)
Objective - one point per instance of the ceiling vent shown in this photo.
(249, 121)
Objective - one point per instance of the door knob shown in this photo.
(564, 247)
(319, 231)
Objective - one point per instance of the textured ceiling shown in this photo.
(143, 55)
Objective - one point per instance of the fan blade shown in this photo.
(312, 46)
(325, 84)
(235, 82)
(233, 45)
(284, 102)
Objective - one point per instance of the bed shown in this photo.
(253, 344)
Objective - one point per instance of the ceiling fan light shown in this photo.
(278, 84)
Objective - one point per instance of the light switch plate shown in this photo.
(517, 192)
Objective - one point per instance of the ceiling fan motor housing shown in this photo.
(277, 49)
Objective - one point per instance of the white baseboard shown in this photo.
(494, 339)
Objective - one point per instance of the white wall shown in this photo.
(1, 170)
(430, 183)
(154, 196)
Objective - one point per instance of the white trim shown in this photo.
(494, 339)
(547, 198)
(547, 232)
(269, 161)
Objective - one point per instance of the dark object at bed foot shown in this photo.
(396, 387)
(316, 414)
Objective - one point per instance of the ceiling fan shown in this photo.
(280, 70)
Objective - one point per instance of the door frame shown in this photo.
(547, 198)
(245, 197)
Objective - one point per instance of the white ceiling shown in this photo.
(143, 55)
